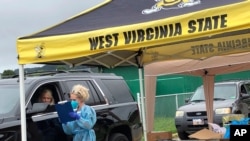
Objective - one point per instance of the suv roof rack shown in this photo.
(41, 73)
(80, 70)
(46, 73)
(232, 80)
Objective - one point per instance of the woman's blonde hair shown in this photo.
(81, 92)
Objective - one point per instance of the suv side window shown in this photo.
(119, 90)
(242, 89)
(51, 86)
(247, 86)
(95, 97)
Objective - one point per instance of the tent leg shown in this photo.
(208, 83)
(142, 105)
(140, 81)
(22, 103)
(139, 105)
(143, 118)
(150, 88)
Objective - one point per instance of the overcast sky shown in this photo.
(23, 17)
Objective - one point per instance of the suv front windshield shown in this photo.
(9, 96)
(221, 92)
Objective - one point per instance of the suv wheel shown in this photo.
(118, 137)
(183, 135)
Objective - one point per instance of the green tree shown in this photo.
(8, 73)
(61, 68)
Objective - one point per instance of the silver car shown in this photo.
(229, 97)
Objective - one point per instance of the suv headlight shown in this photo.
(223, 111)
(179, 113)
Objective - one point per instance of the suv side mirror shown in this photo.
(38, 107)
(244, 96)
(187, 100)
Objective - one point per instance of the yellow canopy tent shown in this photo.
(142, 33)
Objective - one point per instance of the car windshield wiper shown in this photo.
(197, 100)
(219, 99)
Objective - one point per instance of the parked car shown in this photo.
(117, 111)
(227, 95)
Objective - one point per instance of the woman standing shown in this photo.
(85, 116)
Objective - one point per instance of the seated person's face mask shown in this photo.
(74, 104)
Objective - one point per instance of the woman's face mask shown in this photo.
(74, 104)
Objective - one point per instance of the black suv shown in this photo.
(227, 97)
(117, 111)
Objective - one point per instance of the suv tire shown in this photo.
(118, 137)
(183, 135)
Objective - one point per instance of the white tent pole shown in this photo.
(139, 105)
(22, 103)
(143, 118)
(142, 105)
(140, 82)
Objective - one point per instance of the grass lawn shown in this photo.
(164, 124)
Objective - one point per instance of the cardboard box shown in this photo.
(205, 134)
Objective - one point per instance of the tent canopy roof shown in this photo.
(115, 13)
(211, 66)
(116, 32)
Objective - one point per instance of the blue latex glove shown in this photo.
(74, 115)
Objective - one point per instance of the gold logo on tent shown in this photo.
(40, 49)
(170, 4)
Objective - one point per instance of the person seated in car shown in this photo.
(46, 97)
(51, 129)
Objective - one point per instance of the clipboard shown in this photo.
(63, 109)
